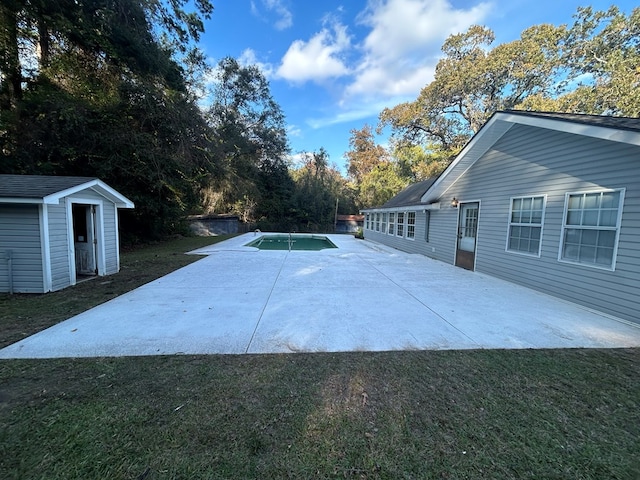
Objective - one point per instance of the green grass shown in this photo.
(519, 414)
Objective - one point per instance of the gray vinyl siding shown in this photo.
(531, 161)
(110, 238)
(440, 245)
(59, 246)
(20, 232)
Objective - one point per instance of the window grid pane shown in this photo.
(591, 228)
(411, 224)
(400, 226)
(392, 222)
(525, 227)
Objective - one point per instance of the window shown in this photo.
(383, 229)
(525, 225)
(366, 221)
(591, 228)
(411, 224)
(392, 223)
(378, 215)
(400, 225)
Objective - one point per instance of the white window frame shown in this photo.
(526, 224)
(377, 221)
(366, 221)
(383, 227)
(411, 227)
(566, 227)
(400, 225)
(392, 223)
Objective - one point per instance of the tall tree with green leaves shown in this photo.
(321, 192)
(100, 95)
(250, 138)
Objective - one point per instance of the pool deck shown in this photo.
(361, 296)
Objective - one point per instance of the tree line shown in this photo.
(116, 89)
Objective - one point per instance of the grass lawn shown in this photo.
(537, 414)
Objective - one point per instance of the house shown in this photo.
(56, 230)
(546, 200)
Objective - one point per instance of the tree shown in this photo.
(380, 185)
(250, 136)
(364, 154)
(320, 188)
(601, 54)
(472, 81)
(101, 96)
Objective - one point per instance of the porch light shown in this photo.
(454, 202)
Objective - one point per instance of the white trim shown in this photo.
(71, 251)
(404, 223)
(415, 222)
(102, 189)
(568, 126)
(117, 239)
(541, 225)
(618, 227)
(45, 248)
(500, 120)
(408, 208)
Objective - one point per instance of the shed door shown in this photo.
(85, 240)
(467, 232)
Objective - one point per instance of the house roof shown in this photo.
(46, 189)
(427, 194)
(410, 195)
(615, 129)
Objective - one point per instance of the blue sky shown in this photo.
(333, 65)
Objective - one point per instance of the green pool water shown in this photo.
(295, 241)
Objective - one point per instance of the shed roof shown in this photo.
(50, 189)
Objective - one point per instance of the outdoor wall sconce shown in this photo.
(454, 202)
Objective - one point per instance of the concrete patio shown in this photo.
(360, 296)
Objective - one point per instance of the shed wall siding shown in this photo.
(20, 232)
(59, 247)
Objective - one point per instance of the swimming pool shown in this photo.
(293, 241)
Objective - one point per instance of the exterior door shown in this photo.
(85, 239)
(467, 232)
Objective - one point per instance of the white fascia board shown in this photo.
(435, 191)
(97, 186)
(406, 208)
(603, 133)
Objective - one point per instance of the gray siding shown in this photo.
(20, 232)
(530, 161)
(59, 246)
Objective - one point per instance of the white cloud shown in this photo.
(403, 46)
(285, 17)
(248, 57)
(294, 131)
(319, 58)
